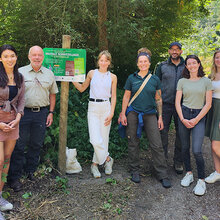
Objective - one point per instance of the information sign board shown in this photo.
(66, 64)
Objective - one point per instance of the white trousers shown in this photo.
(98, 132)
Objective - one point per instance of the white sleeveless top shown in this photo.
(100, 86)
(216, 89)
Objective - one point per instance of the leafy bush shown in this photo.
(77, 130)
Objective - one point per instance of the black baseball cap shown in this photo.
(176, 44)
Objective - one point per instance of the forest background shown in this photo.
(122, 27)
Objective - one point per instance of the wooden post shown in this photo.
(102, 18)
(64, 97)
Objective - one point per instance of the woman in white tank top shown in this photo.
(213, 119)
(103, 85)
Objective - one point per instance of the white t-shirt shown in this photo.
(216, 89)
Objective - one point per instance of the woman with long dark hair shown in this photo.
(11, 109)
(213, 119)
(195, 91)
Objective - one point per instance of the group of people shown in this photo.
(178, 90)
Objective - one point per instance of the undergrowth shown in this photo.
(77, 130)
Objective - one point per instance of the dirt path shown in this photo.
(120, 198)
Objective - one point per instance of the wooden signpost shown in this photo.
(64, 97)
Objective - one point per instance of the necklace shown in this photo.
(11, 76)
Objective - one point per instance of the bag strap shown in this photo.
(140, 89)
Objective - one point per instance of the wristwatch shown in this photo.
(52, 112)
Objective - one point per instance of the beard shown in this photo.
(175, 58)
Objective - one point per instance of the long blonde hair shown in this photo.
(214, 67)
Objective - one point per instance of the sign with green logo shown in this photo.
(66, 64)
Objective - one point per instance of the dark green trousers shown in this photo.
(155, 144)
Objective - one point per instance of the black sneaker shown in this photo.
(16, 185)
(178, 167)
(31, 176)
(135, 177)
(165, 183)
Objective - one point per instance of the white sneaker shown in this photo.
(187, 179)
(1, 216)
(213, 177)
(95, 171)
(5, 205)
(200, 188)
(108, 166)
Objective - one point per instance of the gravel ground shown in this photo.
(115, 196)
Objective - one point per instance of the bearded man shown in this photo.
(169, 72)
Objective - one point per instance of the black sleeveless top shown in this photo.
(13, 91)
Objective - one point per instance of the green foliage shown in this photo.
(108, 197)
(43, 170)
(111, 181)
(27, 195)
(62, 184)
(77, 130)
(152, 24)
(118, 210)
(4, 177)
(107, 205)
(110, 202)
(130, 24)
(6, 195)
(206, 33)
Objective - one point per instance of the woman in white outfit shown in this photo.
(213, 119)
(103, 86)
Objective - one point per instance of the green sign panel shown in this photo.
(66, 64)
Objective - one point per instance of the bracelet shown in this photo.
(182, 119)
(52, 112)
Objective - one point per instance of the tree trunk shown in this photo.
(102, 18)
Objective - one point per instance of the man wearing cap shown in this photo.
(40, 98)
(169, 72)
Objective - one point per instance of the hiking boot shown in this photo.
(135, 177)
(200, 188)
(16, 185)
(108, 166)
(187, 179)
(165, 183)
(5, 205)
(95, 171)
(178, 167)
(1, 216)
(213, 177)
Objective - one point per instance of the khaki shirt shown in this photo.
(38, 86)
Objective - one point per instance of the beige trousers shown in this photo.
(98, 132)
